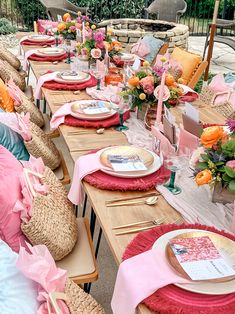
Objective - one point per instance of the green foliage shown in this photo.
(6, 27)
(229, 148)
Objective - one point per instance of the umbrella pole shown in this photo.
(211, 41)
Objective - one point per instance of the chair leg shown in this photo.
(206, 42)
(92, 222)
(84, 206)
(98, 242)
(44, 106)
(87, 287)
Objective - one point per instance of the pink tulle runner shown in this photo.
(174, 300)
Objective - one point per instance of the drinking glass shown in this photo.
(119, 103)
(68, 47)
(99, 74)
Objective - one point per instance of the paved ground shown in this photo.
(223, 61)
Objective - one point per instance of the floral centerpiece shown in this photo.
(68, 28)
(214, 161)
(144, 85)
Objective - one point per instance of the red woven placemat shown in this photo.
(63, 86)
(114, 120)
(104, 181)
(34, 43)
(174, 300)
(35, 57)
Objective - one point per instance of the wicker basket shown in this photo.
(79, 301)
(42, 146)
(53, 222)
(27, 105)
(7, 72)
(10, 58)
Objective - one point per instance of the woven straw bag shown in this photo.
(42, 146)
(10, 58)
(7, 72)
(27, 105)
(53, 222)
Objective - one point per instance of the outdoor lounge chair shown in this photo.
(167, 10)
(60, 7)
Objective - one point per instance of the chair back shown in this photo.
(167, 10)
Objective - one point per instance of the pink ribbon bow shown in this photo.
(14, 92)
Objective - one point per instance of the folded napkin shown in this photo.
(38, 265)
(140, 276)
(166, 147)
(14, 92)
(103, 94)
(85, 165)
(26, 56)
(59, 116)
(187, 142)
(188, 94)
(42, 79)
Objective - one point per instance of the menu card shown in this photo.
(126, 163)
(200, 259)
(95, 108)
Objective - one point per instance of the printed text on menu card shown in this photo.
(126, 163)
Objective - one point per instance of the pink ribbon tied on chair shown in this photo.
(15, 92)
(140, 49)
(38, 265)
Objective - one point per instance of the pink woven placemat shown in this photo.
(114, 120)
(174, 300)
(35, 57)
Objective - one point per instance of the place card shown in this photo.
(137, 63)
(191, 112)
(126, 163)
(200, 259)
(95, 108)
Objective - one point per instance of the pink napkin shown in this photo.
(24, 206)
(160, 64)
(140, 49)
(140, 276)
(43, 79)
(14, 92)
(39, 266)
(59, 115)
(19, 123)
(26, 56)
(188, 94)
(187, 141)
(221, 88)
(85, 165)
(166, 147)
(103, 94)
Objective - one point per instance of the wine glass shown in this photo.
(68, 47)
(98, 73)
(120, 105)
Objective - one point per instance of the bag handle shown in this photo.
(27, 172)
(54, 296)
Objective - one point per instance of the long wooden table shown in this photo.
(82, 143)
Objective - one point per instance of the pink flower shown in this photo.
(78, 26)
(231, 164)
(72, 28)
(99, 36)
(99, 44)
(148, 84)
(96, 53)
(84, 52)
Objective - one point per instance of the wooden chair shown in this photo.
(167, 10)
(60, 7)
(81, 263)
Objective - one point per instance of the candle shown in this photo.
(83, 32)
(160, 99)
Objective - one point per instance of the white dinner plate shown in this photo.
(127, 57)
(156, 165)
(81, 77)
(91, 117)
(40, 38)
(210, 288)
(50, 52)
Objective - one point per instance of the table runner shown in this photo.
(174, 300)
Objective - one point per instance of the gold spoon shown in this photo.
(148, 201)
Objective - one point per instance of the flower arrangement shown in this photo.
(215, 159)
(144, 85)
(96, 43)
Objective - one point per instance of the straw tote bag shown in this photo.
(41, 145)
(10, 58)
(7, 72)
(27, 105)
(53, 222)
(77, 300)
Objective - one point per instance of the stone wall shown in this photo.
(130, 30)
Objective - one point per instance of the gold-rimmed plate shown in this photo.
(127, 57)
(38, 37)
(204, 287)
(72, 77)
(50, 51)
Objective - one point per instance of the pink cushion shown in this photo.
(43, 24)
(10, 187)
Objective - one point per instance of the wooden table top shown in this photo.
(82, 143)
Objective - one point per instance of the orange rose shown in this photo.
(134, 81)
(169, 80)
(212, 135)
(61, 27)
(203, 177)
(66, 17)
